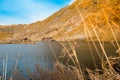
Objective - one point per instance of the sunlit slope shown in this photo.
(5, 33)
(84, 19)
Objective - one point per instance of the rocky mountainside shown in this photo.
(84, 19)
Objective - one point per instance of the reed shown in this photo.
(110, 67)
(62, 72)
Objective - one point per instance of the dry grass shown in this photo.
(62, 72)
(91, 29)
(110, 70)
(73, 22)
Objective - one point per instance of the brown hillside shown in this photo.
(84, 19)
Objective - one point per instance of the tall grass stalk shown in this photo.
(106, 17)
(3, 74)
(6, 63)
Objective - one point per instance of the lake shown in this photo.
(24, 56)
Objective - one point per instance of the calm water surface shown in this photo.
(25, 56)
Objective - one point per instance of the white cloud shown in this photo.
(71, 2)
(28, 11)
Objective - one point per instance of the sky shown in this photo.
(28, 11)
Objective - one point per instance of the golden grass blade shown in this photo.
(106, 17)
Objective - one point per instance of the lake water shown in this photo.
(25, 56)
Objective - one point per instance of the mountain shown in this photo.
(84, 19)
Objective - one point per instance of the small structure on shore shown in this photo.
(48, 39)
(25, 39)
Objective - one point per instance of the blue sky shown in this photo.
(27, 11)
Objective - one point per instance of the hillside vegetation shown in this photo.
(84, 19)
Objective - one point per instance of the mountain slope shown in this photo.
(84, 19)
